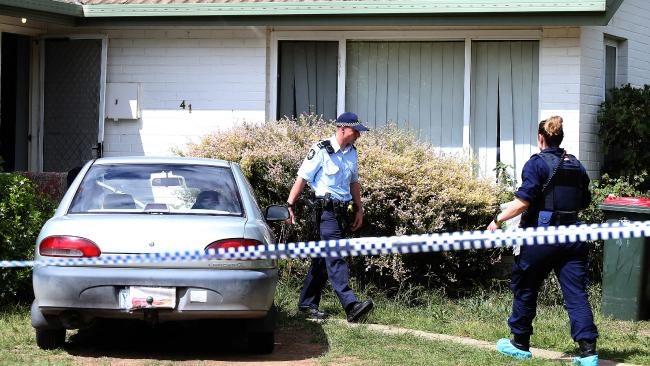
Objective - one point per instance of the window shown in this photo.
(415, 85)
(504, 107)
(158, 188)
(610, 67)
(459, 95)
(614, 60)
(307, 78)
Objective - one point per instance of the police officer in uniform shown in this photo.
(330, 169)
(555, 186)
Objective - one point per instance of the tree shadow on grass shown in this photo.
(217, 340)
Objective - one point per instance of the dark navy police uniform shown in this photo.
(329, 170)
(555, 204)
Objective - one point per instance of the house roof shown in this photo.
(331, 12)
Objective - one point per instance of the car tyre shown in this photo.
(261, 342)
(47, 338)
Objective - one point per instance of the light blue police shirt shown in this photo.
(332, 173)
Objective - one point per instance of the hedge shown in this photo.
(22, 213)
(407, 188)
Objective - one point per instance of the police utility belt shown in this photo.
(327, 203)
(555, 218)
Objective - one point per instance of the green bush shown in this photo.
(407, 188)
(624, 120)
(22, 213)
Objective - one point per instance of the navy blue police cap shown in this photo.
(349, 119)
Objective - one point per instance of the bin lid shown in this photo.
(628, 201)
(639, 205)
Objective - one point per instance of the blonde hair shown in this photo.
(552, 131)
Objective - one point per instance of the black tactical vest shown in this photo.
(561, 196)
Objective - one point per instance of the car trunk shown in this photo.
(132, 234)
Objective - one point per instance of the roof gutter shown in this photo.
(360, 7)
(572, 19)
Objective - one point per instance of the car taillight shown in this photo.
(233, 243)
(68, 246)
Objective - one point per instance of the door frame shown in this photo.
(39, 122)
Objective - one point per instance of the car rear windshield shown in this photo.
(158, 189)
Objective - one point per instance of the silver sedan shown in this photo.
(142, 206)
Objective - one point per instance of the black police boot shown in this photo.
(587, 348)
(357, 310)
(312, 312)
(522, 342)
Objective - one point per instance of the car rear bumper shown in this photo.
(95, 292)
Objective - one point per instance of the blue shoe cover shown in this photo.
(505, 347)
(586, 361)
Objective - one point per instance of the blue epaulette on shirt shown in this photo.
(327, 145)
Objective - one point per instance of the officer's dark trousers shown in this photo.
(532, 266)
(322, 268)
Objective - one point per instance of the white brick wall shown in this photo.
(559, 80)
(630, 26)
(221, 73)
(592, 87)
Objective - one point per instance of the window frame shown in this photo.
(465, 35)
(611, 42)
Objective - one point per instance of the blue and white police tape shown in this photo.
(375, 245)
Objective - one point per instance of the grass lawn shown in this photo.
(481, 316)
(359, 346)
(343, 346)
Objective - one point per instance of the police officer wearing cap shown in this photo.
(555, 186)
(330, 169)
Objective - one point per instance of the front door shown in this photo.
(14, 102)
(72, 102)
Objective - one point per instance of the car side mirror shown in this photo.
(276, 213)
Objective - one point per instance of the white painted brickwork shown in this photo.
(221, 73)
(559, 79)
(592, 85)
(630, 26)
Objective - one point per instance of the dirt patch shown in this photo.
(204, 345)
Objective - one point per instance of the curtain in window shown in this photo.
(416, 85)
(504, 103)
(307, 80)
(610, 67)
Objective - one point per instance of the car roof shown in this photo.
(161, 160)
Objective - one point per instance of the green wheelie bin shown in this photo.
(626, 263)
